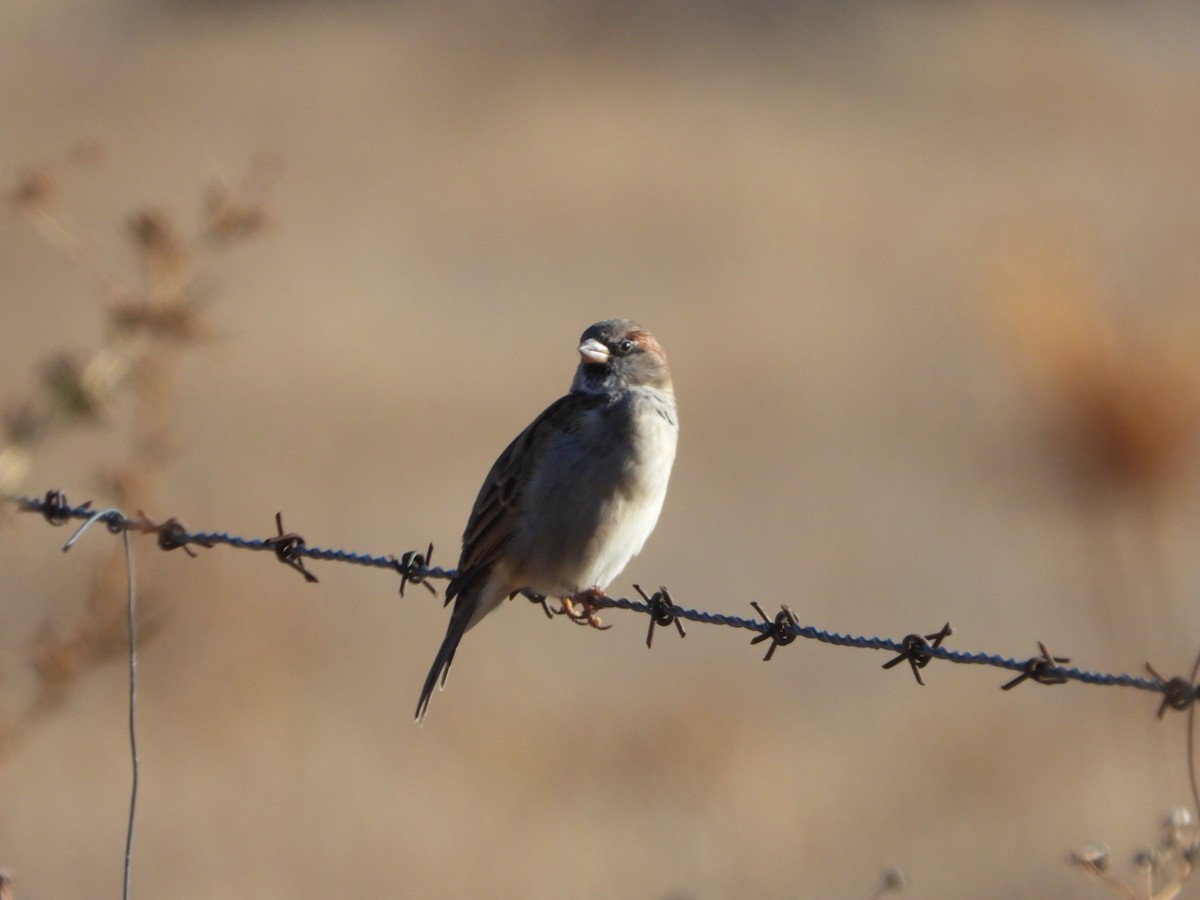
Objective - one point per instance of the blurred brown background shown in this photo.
(927, 277)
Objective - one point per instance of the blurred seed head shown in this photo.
(1179, 830)
(894, 881)
(1178, 818)
(239, 210)
(1162, 872)
(179, 321)
(1120, 396)
(63, 378)
(1146, 861)
(22, 423)
(15, 463)
(62, 652)
(230, 214)
(34, 189)
(1094, 857)
(162, 250)
(37, 187)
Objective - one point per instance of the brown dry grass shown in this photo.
(809, 215)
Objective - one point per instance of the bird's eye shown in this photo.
(624, 347)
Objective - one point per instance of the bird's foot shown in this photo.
(586, 614)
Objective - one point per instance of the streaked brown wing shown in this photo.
(490, 527)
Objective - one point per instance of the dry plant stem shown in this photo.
(56, 233)
(1122, 890)
(152, 315)
(149, 318)
(1170, 862)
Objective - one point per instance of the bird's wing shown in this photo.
(492, 522)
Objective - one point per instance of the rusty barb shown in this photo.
(1043, 669)
(918, 650)
(288, 547)
(1178, 693)
(662, 612)
(780, 631)
(414, 567)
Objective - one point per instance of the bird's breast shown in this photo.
(599, 496)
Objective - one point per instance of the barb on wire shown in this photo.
(172, 535)
(1178, 693)
(918, 651)
(411, 566)
(780, 631)
(1042, 669)
(662, 612)
(56, 510)
(783, 628)
(289, 547)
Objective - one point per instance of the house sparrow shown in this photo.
(575, 496)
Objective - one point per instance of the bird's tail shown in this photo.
(459, 621)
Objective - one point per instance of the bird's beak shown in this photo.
(593, 351)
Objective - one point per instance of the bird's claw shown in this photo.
(586, 614)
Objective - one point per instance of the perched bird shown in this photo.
(575, 496)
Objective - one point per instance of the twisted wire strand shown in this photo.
(414, 568)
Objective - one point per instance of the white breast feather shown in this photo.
(636, 510)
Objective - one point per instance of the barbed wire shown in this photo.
(415, 567)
